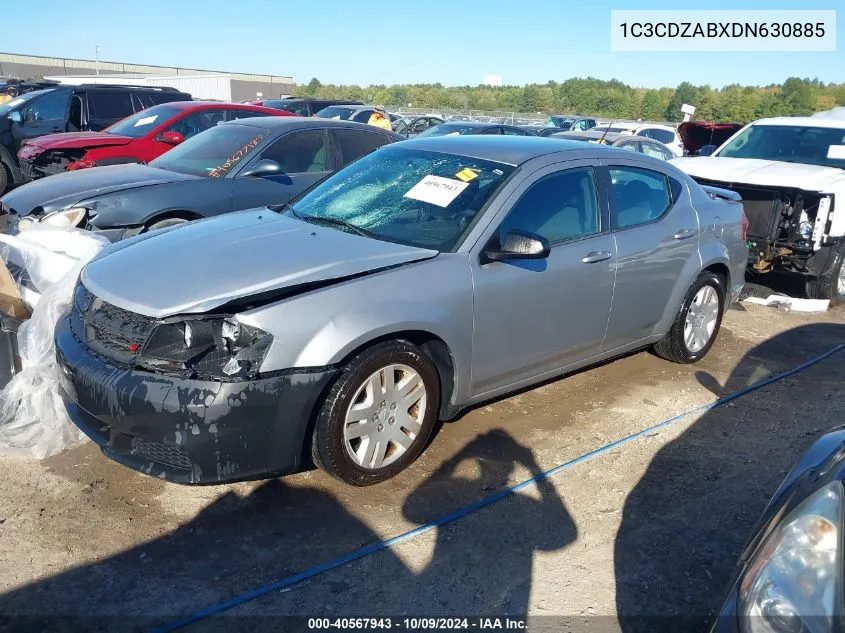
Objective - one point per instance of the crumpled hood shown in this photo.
(752, 171)
(70, 140)
(66, 189)
(205, 264)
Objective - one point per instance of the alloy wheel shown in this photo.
(701, 318)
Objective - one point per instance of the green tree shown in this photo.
(685, 93)
(312, 87)
(651, 109)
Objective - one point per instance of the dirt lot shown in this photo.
(649, 528)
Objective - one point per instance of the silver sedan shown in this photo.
(427, 277)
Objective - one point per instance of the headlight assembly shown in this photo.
(794, 582)
(217, 348)
(61, 219)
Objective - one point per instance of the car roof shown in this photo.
(472, 123)
(306, 122)
(187, 105)
(511, 150)
(804, 121)
(611, 137)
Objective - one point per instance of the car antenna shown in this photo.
(606, 130)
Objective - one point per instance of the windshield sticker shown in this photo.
(836, 151)
(466, 174)
(234, 159)
(436, 190)
(145, 121)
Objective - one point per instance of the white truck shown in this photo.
(790, 172)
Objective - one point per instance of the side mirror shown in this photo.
(15, 117)
(520, 245)
(264, 167)
(171, 138)
(706, 150)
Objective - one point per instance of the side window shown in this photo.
(50, 107)
(420, 125)
(507, 131)
(234, 115)
(300, 152)
(559, 207)
(655, 150)
(664, 136)
(491, 130)
(629, 145)
(75, 116)
(639, 196)
(363, 116)
(197, 122)
(357, 143)
(109, 105)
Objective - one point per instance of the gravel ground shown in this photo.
(650, 528)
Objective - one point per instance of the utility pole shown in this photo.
(97, 58)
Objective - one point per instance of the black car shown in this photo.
(789, 577)
(541, 130)
(630, 142)
(474, 127)
(409, 127)
(303, 106)
(88, 107)
(237, 165)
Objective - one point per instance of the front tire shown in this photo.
(5, 177)
(378, 416)
(163, 224)
(831, 284)
(697, 324)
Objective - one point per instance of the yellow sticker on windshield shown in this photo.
(466, 174)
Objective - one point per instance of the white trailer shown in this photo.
(213, 87)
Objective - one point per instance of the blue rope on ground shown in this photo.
(486, 501)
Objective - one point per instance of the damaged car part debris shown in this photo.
(339, 328)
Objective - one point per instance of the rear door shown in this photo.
(46, 114)
(656, 231)
(305, 157)
(535, 316)
(106, 107)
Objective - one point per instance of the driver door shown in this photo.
(535, 316)
(45, 115)
(306, 156)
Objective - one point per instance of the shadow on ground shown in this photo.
(685, 522)
(240, 543)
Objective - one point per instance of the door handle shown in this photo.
(596, 256)
(685, 234)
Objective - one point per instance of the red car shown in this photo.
(135, 139)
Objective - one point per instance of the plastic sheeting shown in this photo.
(33, 420)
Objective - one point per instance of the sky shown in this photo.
(453, 43)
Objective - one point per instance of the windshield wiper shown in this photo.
(282, 207)
(319, 219)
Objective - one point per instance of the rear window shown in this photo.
(664, 136)
(143, 122)
(295, 107)
(336, 112)
(109, 105)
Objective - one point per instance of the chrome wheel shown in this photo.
(701, 318)
(385, 416)
(840, 284)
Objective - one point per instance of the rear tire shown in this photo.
(830, 285)
(697, 323)
(394, 388)
(5, 177)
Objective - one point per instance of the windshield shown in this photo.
(336, 112)
(446, 129)
(412, 197)
(143, 122)
(791, 144)
(17, 101)
(212, 153)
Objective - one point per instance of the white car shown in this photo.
(790, 172)
(663, 133)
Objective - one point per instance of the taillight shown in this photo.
(745, 224)
(82, 163)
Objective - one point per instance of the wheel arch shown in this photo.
(9, 161)
(182, 214)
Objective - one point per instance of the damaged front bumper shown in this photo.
(188, 431)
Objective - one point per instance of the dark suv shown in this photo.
(69, 109)
(302, 106)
